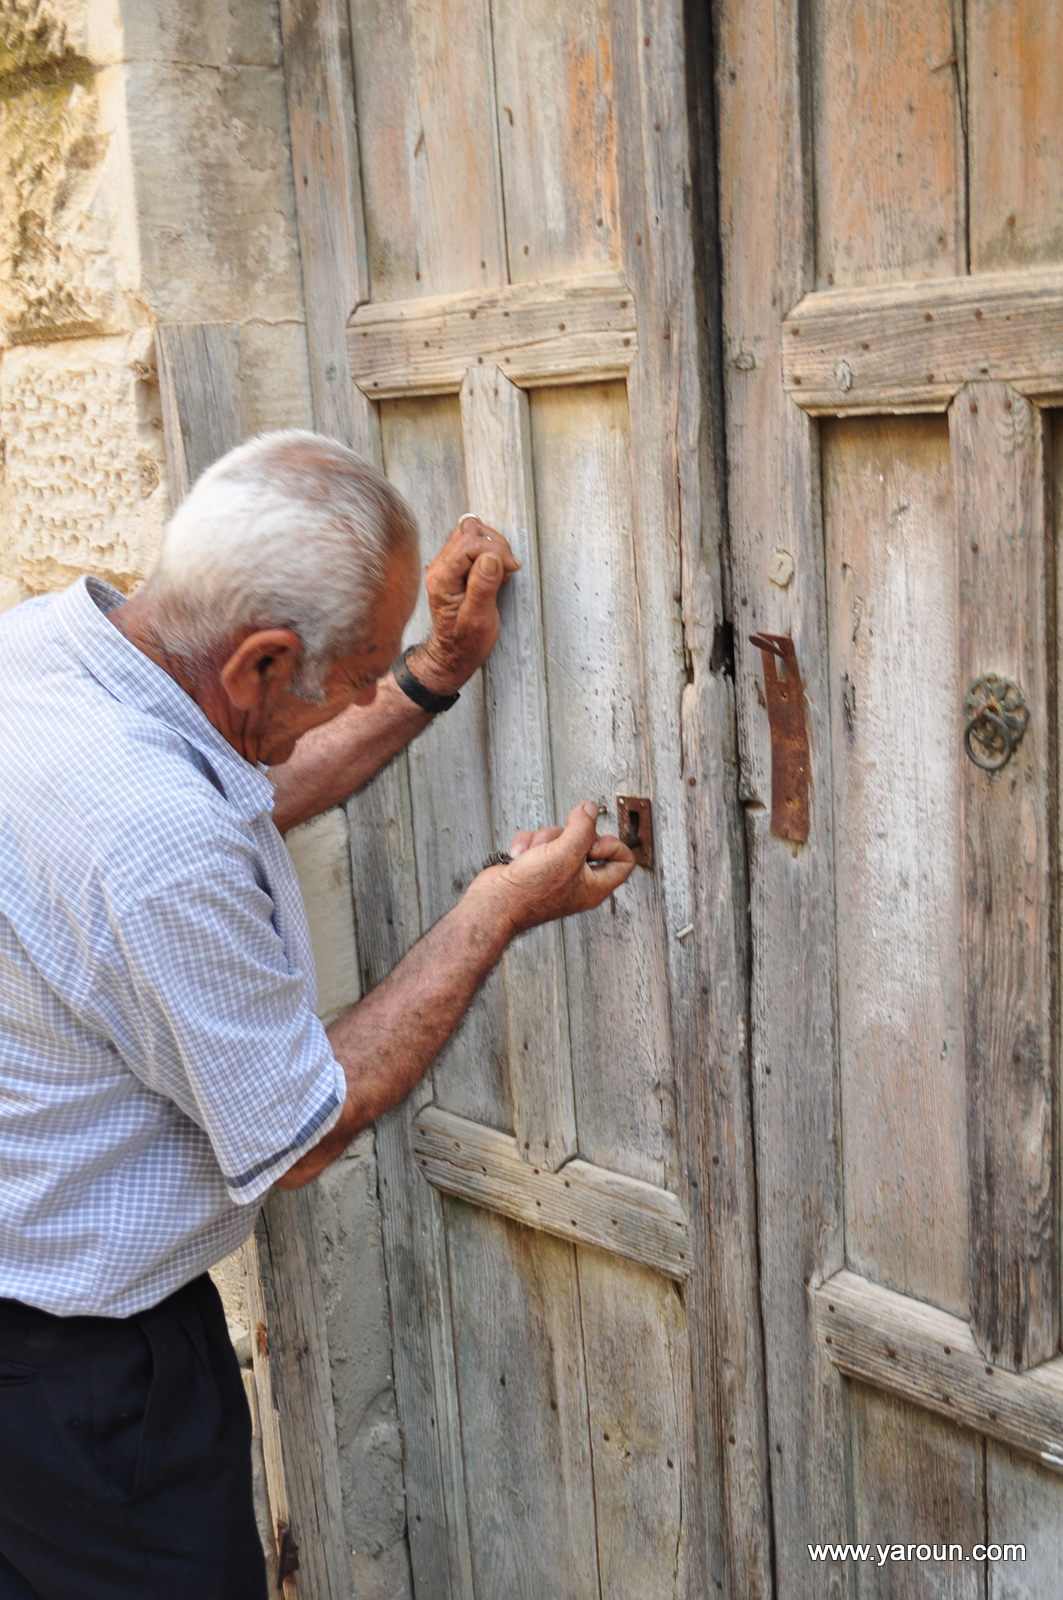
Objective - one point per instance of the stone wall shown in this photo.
(145, 176)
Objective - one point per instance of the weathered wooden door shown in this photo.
(892, 238)
(502, 262)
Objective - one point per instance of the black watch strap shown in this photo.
(432, 703)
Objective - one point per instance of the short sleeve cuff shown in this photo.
(247, 1187)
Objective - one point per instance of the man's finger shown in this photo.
(580, 830)
(605, 880)
(609, 848)
(485, 578)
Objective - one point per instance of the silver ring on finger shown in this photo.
(472, 514)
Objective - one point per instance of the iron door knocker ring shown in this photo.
(997, 717)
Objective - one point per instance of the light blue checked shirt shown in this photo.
(160, 1061)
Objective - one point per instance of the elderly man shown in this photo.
(161, 1066)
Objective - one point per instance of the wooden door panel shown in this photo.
(423, 454)
(524, 1413)
(424, 92)
(933, 893)
(1022, 1501)
(557, 134)
(560, 327)
(888, 136)
(638, 1375)
(616, 963)
(916, 1480)
(1014, 59)
(892, 608)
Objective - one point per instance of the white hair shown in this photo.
(288, 530)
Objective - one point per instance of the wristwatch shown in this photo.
(416, 690)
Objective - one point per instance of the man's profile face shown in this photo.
(353, 679)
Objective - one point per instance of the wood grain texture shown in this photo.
(638, 1382)
(327, 194)
(892, 603)
(772, 500)
(557, 135)
(302, 1389)
(918, 1481)
(1014, 58)
(667, 171)
(887, 140)
(930, 1358)
(424, 456)
(998, 467)
(499, 471)
(566, 330)
(524, 1409)
(616, 957)
(388, 920)
(424, 88)
(856, 351)
(582, 1202)
(1025, 1506)
(199, 389)
(265, 1401)
(321, 854)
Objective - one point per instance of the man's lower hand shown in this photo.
(551, 875)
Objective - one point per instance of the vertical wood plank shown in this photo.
(424, 457)
(499, 472)
(328, 203)
(524, 1409)
(638, 1382)
(888, 142)
(765, 213)
(302, 1389)
(716, 1142)
(1003, 559)
(667, 200)
(557, 135)
(385, 890)
(199, 390)
(1014, 62)
(1025, 1505)
(424, 85)
(892, 604)
(916, 1480)
(265, 1401)
(595, 658)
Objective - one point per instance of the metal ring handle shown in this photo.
(979, 719)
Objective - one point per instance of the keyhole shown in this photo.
(633, 820)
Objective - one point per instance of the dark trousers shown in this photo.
(125, 1456)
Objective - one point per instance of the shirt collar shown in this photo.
(134, 679)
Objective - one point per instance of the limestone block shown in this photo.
(320, 851)
(215, 206)
(84, 485)
(211, 33)
(65, 189)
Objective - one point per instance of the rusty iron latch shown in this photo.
(634, 826)
(287, 1554)
(789, 736)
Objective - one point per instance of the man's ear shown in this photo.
(260, 665)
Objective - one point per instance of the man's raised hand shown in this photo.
(463, 583)
(550, 875)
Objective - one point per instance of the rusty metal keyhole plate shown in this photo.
(634, 818)
(995, 718)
